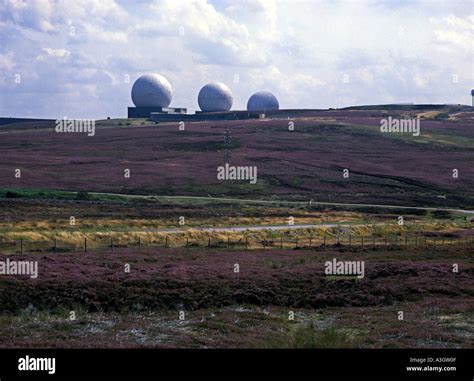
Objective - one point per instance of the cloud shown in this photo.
(55, 53)
(214, 37)
(455, 32)
(6, 61)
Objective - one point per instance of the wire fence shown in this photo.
(92, 243)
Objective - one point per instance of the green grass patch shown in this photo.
(308, 336)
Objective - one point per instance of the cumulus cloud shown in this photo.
(55, 53)
(455, 32)
(214, 37)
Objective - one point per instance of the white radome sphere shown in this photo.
(262, 101)
(152, 90)
(215, 96)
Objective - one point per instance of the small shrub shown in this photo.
(82, 195)
(309, 336)
(442, 115)
(11, 194)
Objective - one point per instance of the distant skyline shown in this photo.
(79, 59)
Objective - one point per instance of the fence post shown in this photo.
(209, 242)
(139, 243)
(166, 241)
(246, 243)
(85, 244)
(281, 242)
(296, 243)
(187, 241)
(111, 244)
(309, 241)
(55, 245)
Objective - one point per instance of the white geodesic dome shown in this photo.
(215, 96)
(262, 101)
(152, 90)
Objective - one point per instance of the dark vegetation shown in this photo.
(246, 309)
(195, 279)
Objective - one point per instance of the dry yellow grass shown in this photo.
(74, 236)
(135, 224)
(429, 114)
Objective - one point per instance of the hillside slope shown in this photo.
(301, 164)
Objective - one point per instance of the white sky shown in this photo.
(74, 58)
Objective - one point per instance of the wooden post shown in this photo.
(209, 242)
(111, 244)
(187, 241)
(281, 242)
(228, 241)
(139, 243)
(166, 241)
(85, 244)
(309, 241)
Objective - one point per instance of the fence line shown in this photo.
(278, 242)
